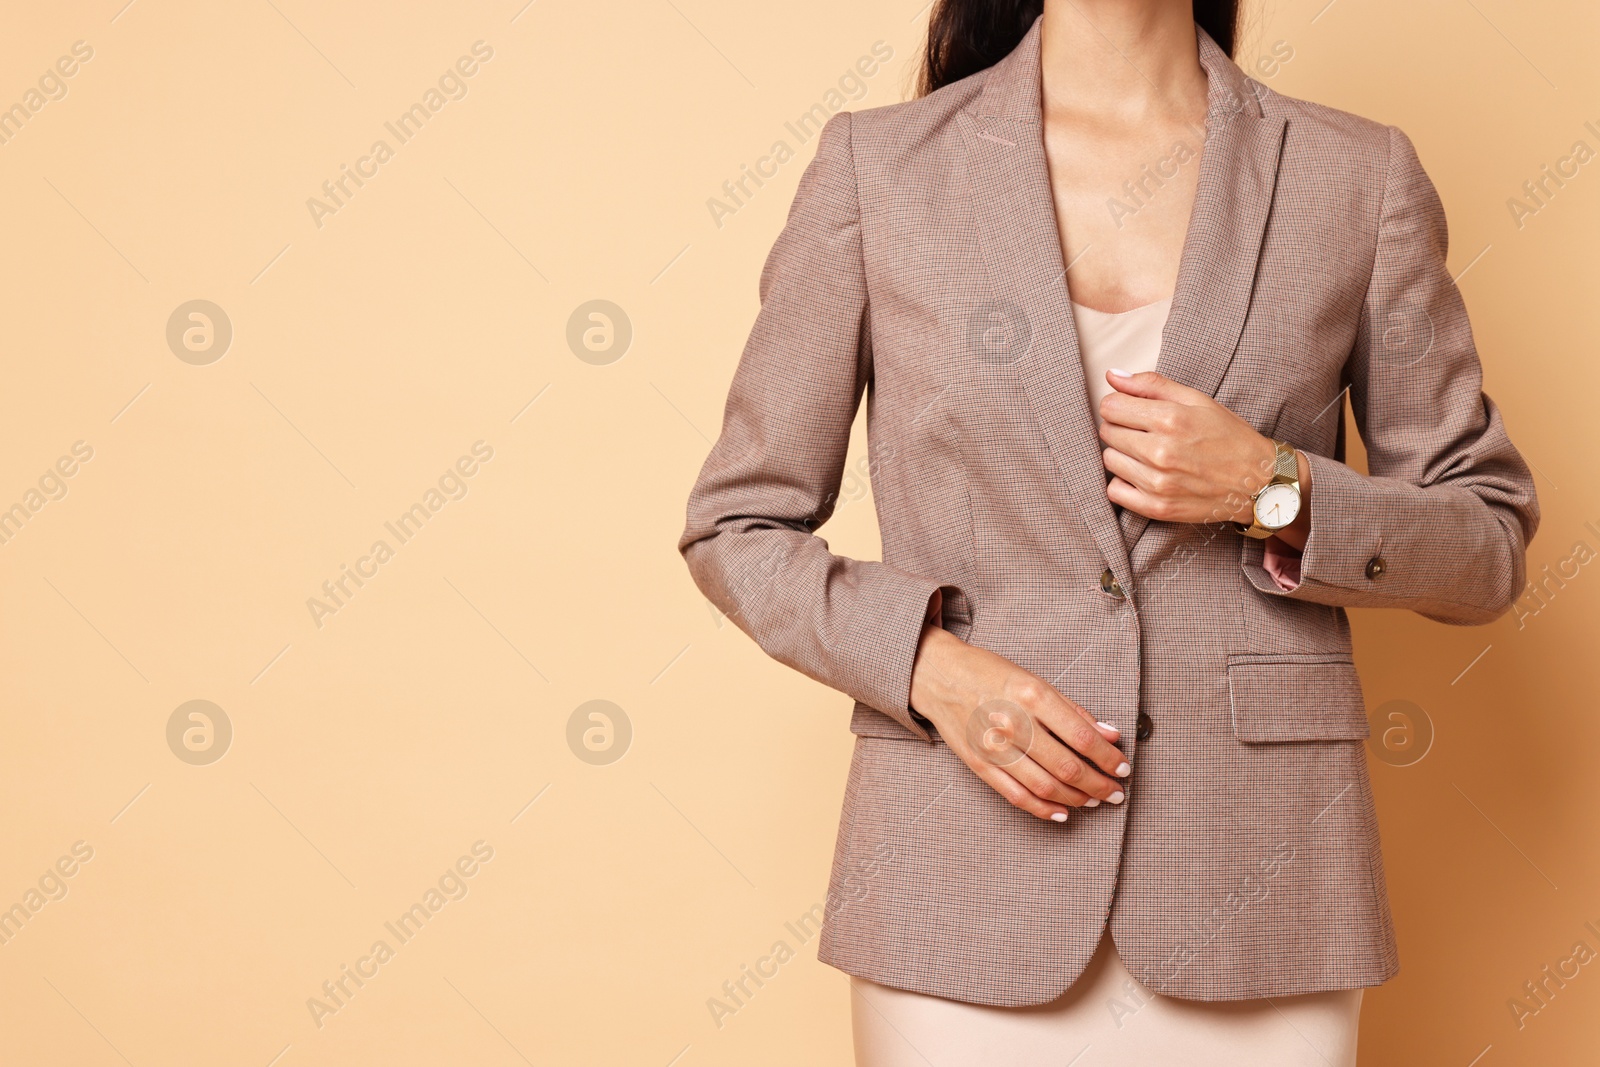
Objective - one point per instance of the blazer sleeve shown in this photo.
(773, 476)
(1442, 524)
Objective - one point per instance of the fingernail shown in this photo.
(1092, 802)
(1115, 798)
(1120, 373)
(1123, 769)
(1107, 726)
(1059, 816)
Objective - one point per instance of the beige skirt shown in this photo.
(1107, 1018)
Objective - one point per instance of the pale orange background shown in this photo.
(371, 752)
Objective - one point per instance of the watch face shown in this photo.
(1277, 506)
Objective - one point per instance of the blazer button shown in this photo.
(1375, 567)
(1110, 585)
(1141, 729)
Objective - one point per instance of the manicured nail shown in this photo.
(1120, 373)
(1122, 770)
(1115, 798)
(1059, 816)
(1092, 802)
(1107, 727)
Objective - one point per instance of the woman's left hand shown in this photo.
(1177, 454)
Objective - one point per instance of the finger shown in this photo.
(1130, 469)
(1111, 732)
(1083, 738)
(1065, 767)
(1137, 412)
(1135, 444)
(1154, 385)
(1127, 495)
(1019, 795)
(1038, 775)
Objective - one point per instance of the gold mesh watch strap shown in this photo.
(1285, 467)
(1285, 470)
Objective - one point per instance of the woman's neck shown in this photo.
(1121, 60)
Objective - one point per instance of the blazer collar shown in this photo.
(1014, 209)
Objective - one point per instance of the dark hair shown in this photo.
(966, 36)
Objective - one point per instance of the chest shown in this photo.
(1122, 198)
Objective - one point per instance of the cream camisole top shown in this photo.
(1127, 340)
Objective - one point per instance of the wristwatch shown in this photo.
(1278, 502)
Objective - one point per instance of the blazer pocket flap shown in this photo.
(1296, 698)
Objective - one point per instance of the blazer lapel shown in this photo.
(1014, 209)
(1016, 228)
(1217, 269)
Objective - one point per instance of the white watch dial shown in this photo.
(1277, 506)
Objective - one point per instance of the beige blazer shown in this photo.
(920, 263)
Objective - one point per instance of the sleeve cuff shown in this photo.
(903, 608)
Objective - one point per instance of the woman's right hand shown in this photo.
(1042, 752)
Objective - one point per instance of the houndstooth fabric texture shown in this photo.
(920, 265)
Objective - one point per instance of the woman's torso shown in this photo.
(1250, 802)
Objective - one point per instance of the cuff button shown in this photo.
(1376, 567)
